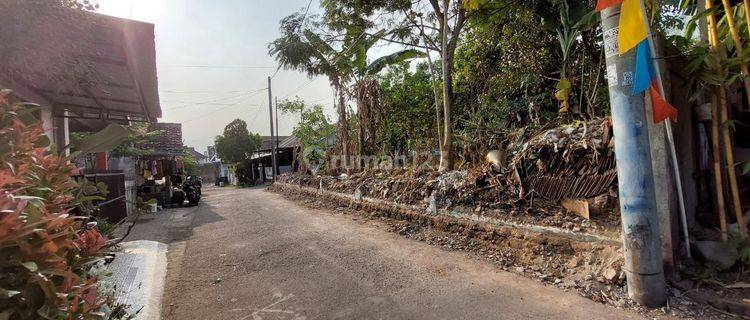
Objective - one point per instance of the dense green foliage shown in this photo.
(236, 144)
(515, 65)
(408, 110)
(314, 130)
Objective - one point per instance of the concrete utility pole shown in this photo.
(640, 223)
(270, 117)
(276, 111)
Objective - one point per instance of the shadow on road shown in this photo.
(173, 225)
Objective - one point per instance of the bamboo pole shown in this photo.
(715, 144)
(729, 13)
(716, 150)
(731, 174)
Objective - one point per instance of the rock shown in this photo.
(432, 208)
(610, 275)
(497, 159)
(734, 228)
(724, 254)
(404, 231)
(574, 262)
(520, 269)
(358, 194)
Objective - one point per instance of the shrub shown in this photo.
(46, 252)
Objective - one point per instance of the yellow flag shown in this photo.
(632, 25)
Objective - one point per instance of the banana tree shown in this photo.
(566, 36)
(304, 50)
(569, 31)
(366, 89)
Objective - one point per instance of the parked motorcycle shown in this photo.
(192, 188)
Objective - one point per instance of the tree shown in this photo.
(366, 90)
(236, 144)
(302, 49)
(313, 130)
(437, 29)
(191, 164)
(408, 113)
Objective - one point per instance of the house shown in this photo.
(85, 71)
(199, 157)
(214, 171)
(104, 70)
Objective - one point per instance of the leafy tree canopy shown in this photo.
(237, 143)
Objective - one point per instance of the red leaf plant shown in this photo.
(45, 252)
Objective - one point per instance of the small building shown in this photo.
(199, 157)
(214, 171)
(287, 153)
(85, 71)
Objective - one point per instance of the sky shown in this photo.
(213, 63)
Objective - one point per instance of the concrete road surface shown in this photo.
(250, 254)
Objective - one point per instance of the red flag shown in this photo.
(662, 109)
(604, 4)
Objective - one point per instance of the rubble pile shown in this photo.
(581, 152)
(572, 161)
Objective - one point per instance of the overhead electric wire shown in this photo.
(219, 67)
(302, 24)
(214, 112)
(298, 89)
(199, 91)
(217, 100)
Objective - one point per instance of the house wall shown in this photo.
(47, 122)
(56, 128)
(209, 173)
(127, 165)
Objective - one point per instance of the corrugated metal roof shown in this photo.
(284, 142)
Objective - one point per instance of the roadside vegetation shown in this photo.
(51, 253)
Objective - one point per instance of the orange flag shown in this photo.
(662, 108)
(604, 4)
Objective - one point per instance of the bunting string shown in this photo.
(634, 34)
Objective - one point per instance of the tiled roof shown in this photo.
(168, 143)
(197, 155)
(48, 62)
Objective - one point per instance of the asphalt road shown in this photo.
(250, 254)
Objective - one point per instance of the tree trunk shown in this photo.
(446, 152)
(437, 98)
(360, 132)
(343, 128)
(446, 57)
